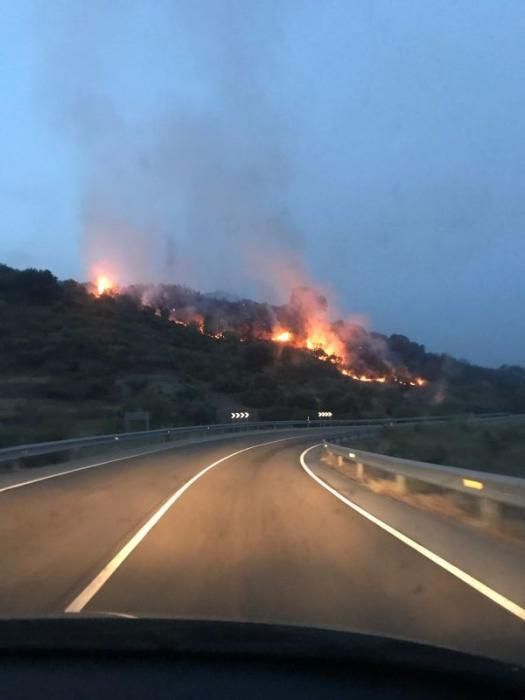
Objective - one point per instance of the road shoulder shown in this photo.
(498, 563)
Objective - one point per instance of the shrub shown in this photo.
(258, 355)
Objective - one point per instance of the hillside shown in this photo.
(72, 362)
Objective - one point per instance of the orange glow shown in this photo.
(312, 331)
(195, 320)
(330, 348)
(320, 337)
(104, 284)
(282, 337)
(199, 322)
(363, 377)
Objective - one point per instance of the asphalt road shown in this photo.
(254, 538)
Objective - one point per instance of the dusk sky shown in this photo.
(375, 149)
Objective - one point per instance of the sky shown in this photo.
(373, 149)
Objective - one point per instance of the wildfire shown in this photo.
(195, 320)
(104, 284)
(330, 348)
(304, 325)
(320, 338)
(282, 337)
(363, 377)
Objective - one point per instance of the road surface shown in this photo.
(253, 538)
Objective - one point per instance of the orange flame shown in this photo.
(104, 284)
(363, 377)
(319, 337)
(282, 337)
(323, 339)
(194, 320)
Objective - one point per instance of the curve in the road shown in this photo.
(479, 586)
(83, 598)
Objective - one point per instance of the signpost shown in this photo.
(134, 417)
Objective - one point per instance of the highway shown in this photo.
(253, 537)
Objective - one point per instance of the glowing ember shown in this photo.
(283, 337)
(195, 320)
(104, 284)
(363, 377)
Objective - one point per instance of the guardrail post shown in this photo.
(331, 458)
(401, 483)
(360, 471)
(339, 461)
(17, 464)
(489, 511)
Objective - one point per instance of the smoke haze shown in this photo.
(254, 146)
(188, 194)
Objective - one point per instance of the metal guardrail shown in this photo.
(493, 490)
(9, 454)
(19, 452)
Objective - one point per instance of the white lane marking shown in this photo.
(162, 448)
(81, 469)
(80, 602)
(479, 586)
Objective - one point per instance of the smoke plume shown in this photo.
(195, 194)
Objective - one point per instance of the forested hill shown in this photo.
(72, 363)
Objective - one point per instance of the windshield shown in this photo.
(261, 328)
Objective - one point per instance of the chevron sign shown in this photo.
(325, 414)
(239, 415)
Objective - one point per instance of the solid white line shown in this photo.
(154, 450)
(479, 586)
(80, 602)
